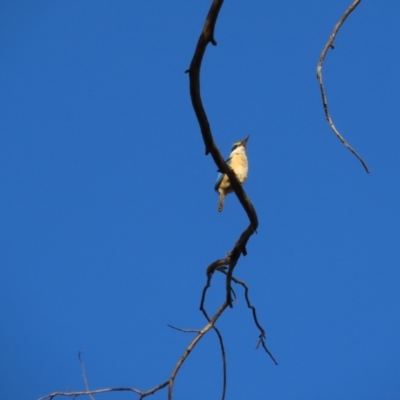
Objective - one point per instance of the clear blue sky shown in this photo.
(109, 218)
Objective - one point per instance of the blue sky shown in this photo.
(109, 218)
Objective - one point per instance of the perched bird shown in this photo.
(237, 161)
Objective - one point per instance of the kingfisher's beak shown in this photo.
(244, 141)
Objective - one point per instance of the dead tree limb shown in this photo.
(231, 259)
(206, 37)
(328, 45)
(229, 262)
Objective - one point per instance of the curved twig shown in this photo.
(203, 310)
(328, 45)
(221, 343)
(262, 337)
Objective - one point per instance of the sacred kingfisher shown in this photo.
(237, 161)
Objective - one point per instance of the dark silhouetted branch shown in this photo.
(203, 331)
(206, 37)
(328, 45)
(221, 342)
(262, 337)
(229, 262)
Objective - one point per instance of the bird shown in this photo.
(237, 161)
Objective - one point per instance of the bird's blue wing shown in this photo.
(221, 175)
(219, 179)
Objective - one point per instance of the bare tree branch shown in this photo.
(170, 382)
(262, 336)
(206, 37)
(221, 342)
(225, 265)
(328, 45)
(106, 390)
(209, 326)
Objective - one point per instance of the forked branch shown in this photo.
(206, 37)
(229, 262)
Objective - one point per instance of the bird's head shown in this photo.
(240, 143)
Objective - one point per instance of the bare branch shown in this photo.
(328, 45)
(221, 342)
(107, 390)
(207, 36)
(87, 393)
(170, 382)
(209, 326)
(262, 337)
(223, 354)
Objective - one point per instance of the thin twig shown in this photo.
(223, 354)
(221, 342)
(107, 390)
(328, 45)
(84, 373)
(184, 330)
(98, 391)
(262, 337)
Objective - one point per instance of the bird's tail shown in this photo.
(221, 202)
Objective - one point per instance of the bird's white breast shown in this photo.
(240, 166)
